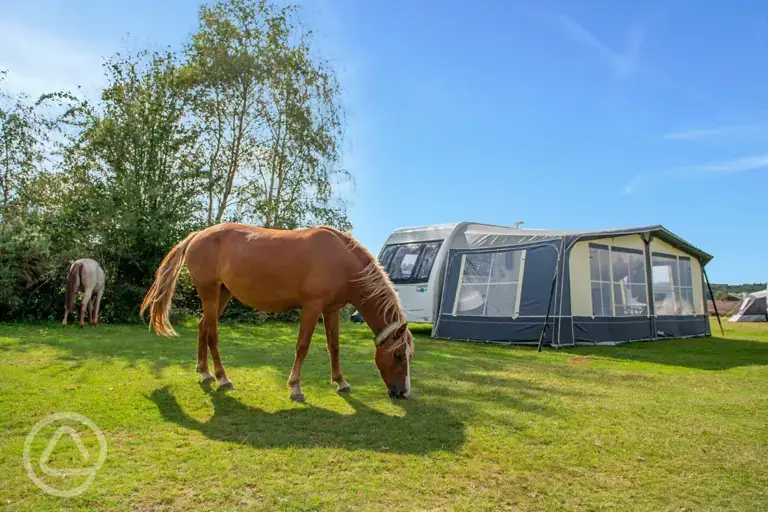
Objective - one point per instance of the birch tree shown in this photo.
(270, 117)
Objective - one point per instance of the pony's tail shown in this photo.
(158, 298)
(73, 282)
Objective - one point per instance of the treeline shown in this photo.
(721, 291)
(243, 124)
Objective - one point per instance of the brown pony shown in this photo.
(90, 275)
(319, 270)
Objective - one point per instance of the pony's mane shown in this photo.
(375, 285)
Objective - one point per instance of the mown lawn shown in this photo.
(673, 425)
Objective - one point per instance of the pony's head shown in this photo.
(377, 297)
(394, 349)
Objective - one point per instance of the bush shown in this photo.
(27, 274)
(33, 284)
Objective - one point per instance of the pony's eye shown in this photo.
(398, 356)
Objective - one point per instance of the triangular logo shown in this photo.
(52, 446)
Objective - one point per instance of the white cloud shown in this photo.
(38, 63)
(642, 181)
(637, 183)
(709, 132)
(624, 63)
(733, 166)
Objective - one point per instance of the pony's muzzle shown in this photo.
(398, 391)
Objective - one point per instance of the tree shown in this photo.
(270, 116)
(141, 149)
(294, 182)
(245, 125)
(29, 193)
(722, 295)
(24, 133)
(225, 75)
(135, 171)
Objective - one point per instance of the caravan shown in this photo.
(484, 282)
(415, 258)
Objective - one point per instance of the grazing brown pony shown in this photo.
(319, 270)
(90, 275)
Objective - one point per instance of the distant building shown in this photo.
(724, 307)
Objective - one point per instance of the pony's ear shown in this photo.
(401, 330)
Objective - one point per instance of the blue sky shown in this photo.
(569, 115)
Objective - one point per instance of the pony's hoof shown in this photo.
(208, 378)
(297, 397)
(345, 389)
(226, 386)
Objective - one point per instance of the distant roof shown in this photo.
(441, 231)
(723, 306)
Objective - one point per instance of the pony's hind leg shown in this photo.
(208, 329)
(309, 316)
(331, 322)
(202, 340)
(92, 310)
(202, 353)
(96, 307)
(85, 305)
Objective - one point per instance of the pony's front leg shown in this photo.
(331, 322)
(309, 316)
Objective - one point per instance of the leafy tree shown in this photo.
(29, 198)
(136, 172)
(270, 116)
(24, 256)
(225, 74)
(247, 126)
(722, 295)
(719, 289)
(25, 139)
(294, 179)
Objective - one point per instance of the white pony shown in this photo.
(87, 272)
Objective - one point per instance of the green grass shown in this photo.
(670, 425)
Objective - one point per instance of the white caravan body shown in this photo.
(415, 258)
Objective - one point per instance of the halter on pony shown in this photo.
(382, 337)
(386, 332)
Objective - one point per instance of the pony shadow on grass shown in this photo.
(712, 353)
(427, 428)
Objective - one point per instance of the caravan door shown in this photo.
(409, 266)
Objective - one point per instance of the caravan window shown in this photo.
(629, 290)
(490, 284)
(600, 279)
(409, 263)
(617, 276)
(428, 257)
(672, 285)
